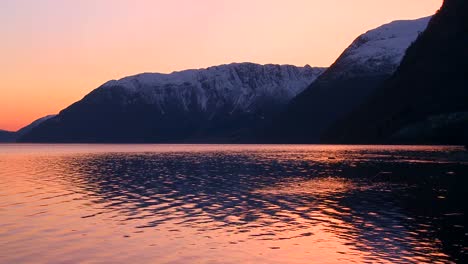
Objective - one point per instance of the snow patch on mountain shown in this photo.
(239, 86)
(380, 50)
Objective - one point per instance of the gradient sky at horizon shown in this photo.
(53, 52)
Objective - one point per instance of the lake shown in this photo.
(232, 204)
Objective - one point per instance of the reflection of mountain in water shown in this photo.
(278, 196)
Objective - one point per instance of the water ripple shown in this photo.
(270, 204)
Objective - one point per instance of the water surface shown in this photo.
(232, 204)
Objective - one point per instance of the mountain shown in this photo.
(9, 136)
(426, 100)
(34, 124)
(218, 104)
(362, 67)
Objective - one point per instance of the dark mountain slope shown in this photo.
(218, 104)
(426, 100)
(364, 65)
(34, 124)
(7, 136)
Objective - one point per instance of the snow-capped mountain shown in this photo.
(238, 86)
(219, 103)
(226, 103)
(426, 99)
(379, 51)
(362, 67)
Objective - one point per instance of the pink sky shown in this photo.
(56, 51)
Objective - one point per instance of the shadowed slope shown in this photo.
(362, 67)
(426, 100)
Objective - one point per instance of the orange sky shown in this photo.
(53, 52)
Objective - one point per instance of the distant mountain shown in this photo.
(9, 136)
(218, 104)
(362, 67)
(426, 100)
(34, 124)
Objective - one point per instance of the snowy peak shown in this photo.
(239, 86)
(222, 74)
(225, 103)
(380, 50)
(365, 65)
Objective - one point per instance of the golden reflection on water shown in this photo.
(220, 204)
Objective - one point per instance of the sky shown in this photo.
(54, 52)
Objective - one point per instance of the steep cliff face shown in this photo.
(426, 100)
(364, 65)
(221, 103)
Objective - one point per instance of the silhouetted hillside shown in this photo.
(7, 136)
(426, 100)
(371, 59)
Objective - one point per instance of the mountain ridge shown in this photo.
(219, 103)
(425, 101)
(362, 67)
(12, 136)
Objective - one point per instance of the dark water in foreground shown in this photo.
(232, 204)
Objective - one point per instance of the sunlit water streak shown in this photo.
(232, 204)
